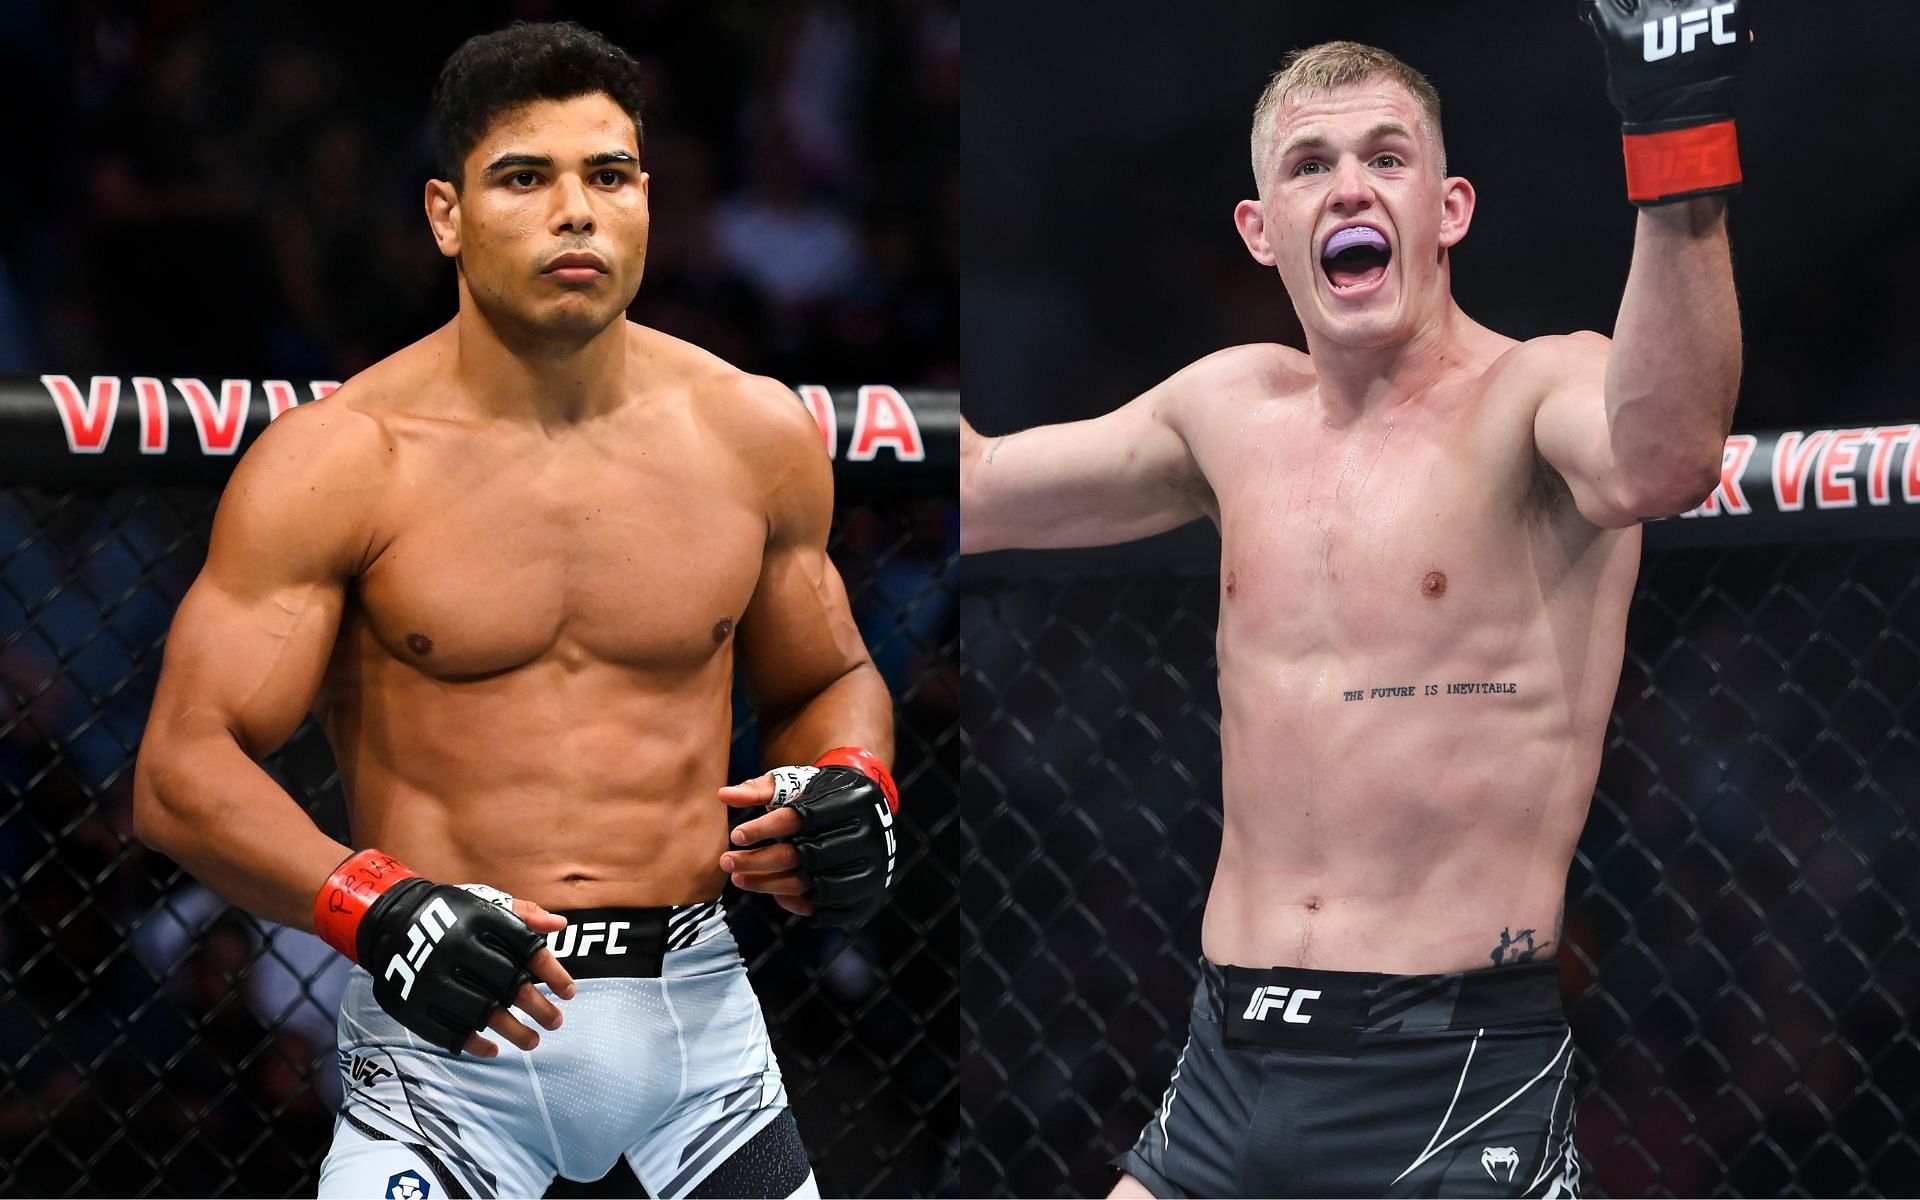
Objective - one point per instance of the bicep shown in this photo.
(249, 663)
(1125, 475)
(797, 637)
(798, 634)
(1572, 431)
(252, 637)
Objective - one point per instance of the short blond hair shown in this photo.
(1333, 65)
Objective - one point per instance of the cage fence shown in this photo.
(156, 1041)
(1741, 968)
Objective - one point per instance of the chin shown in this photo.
(1365, 331)
(567, 320)
(578, 324)
(1363, 321)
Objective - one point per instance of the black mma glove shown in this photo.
(846, 802)
(1671, 70)
(443, 958)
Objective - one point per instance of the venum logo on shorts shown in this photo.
(425, 933)
(1500, 1156)
(1679, 35)
(408, 1185)
(1266, 999)
(579, 939)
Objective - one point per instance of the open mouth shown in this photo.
(1355, 257)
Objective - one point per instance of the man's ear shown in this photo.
(1252, 224)
(443, 216)
(1456, 211)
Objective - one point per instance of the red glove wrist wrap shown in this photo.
(349, 892)
(1681, 162)
(864, 762)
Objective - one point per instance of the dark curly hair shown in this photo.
(493, 72)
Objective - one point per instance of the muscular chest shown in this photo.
(495, 560)
(1401, 528)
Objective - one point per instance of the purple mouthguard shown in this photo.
(1353, 236)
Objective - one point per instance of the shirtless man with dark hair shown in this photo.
(1429, 537)
(512, 568)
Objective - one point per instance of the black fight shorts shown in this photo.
(1330, 1083)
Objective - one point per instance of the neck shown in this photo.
(1356, 380)
(522, 374)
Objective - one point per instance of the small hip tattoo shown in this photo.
(1516, 948)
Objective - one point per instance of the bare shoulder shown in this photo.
(1265, 369)
(304, 496)
(761, 415)
(1538, 365)
(780, 452)
(758, 417)
(1231, 381)
(330, 448)
(1274, 362)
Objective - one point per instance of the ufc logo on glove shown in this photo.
(1671, 71)
(1679, 34)
(422, 936)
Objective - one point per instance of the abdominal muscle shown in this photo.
(1397, 832)
(574, 786)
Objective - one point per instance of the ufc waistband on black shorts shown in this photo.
(626, 943)
(1294, 1008)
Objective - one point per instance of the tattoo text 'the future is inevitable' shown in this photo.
(1475, 688)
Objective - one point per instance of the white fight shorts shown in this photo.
(662, 1057)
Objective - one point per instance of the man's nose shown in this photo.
(572, 211)
(1352, 190)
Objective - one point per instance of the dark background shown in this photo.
(1107, 145)
(230, 187)
(1740, 961)
(221, 188)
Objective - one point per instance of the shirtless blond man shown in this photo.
(1428, 543)
(512, 568)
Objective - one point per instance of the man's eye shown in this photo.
(608, 177)
(1309, 167)
(1388, 160)
(522, 178)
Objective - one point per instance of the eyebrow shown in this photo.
(1380, 132)
(523, 161)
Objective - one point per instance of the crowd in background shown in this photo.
(228, 189)
(234, 189)
(237, 189)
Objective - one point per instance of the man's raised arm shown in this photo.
(1126, 475)
(1637, 427)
